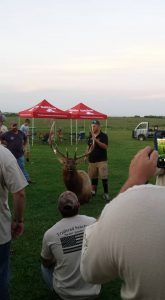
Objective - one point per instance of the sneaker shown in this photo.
(106, 197)
(93, 193)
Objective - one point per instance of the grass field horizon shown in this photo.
(41, 208)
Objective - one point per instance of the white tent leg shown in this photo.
(106, 124)
(76, 132)
(71, 132)
(55, 130)
(32, 131)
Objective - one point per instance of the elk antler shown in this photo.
(75, 155)
(86, 154)
(51, 141)
(67, 153)
(51, 135)
(56, 150)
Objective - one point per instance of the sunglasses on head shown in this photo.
(95, 122)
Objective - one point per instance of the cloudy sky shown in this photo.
(108, 54)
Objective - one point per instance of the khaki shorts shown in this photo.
(98, 169)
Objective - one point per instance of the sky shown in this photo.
(108, 54)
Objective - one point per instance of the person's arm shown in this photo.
(17, 226)
(142, 167)
(103, 144)
(89, 144)
(47, 263)
(47, 258)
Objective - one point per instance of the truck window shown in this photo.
(142, 126)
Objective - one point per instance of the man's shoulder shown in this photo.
(143, 188)
(4, 127)
(55, 227)
(21, 133)
(139, 196)
(103, 134)
(4, 150)
(88, 219)
(22, 127)
(51, 231)
(7, 133)
(5, 155)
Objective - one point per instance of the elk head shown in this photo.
(69, 164)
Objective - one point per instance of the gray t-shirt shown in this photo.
(11, 180)
(63, 242)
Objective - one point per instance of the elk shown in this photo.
(77, 181)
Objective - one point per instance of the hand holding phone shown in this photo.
(159, 142)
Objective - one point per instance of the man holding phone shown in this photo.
(131, 245)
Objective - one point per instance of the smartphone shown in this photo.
(159, 143)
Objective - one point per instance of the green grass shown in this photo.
(41, 208)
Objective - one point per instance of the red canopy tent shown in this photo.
(82, 111)
(43, 109)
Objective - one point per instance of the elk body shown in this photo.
(77, 181)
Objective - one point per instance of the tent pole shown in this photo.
(32, 131)
(84, 124)
(71, 131)
(55, 129)
(76, 131)
(106, 124)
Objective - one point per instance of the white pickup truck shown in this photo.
(142, 131)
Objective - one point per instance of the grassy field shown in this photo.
(41, 210)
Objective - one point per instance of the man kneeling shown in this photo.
(61, 251)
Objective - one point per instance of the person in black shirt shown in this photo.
(15, 141)
(98, 165)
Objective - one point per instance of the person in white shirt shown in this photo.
(11, 180)
(3, 128)
(25, 129)
(128, 240)
(61, 251)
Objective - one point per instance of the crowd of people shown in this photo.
(79, 253)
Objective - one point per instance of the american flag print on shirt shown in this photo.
(72, 243)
